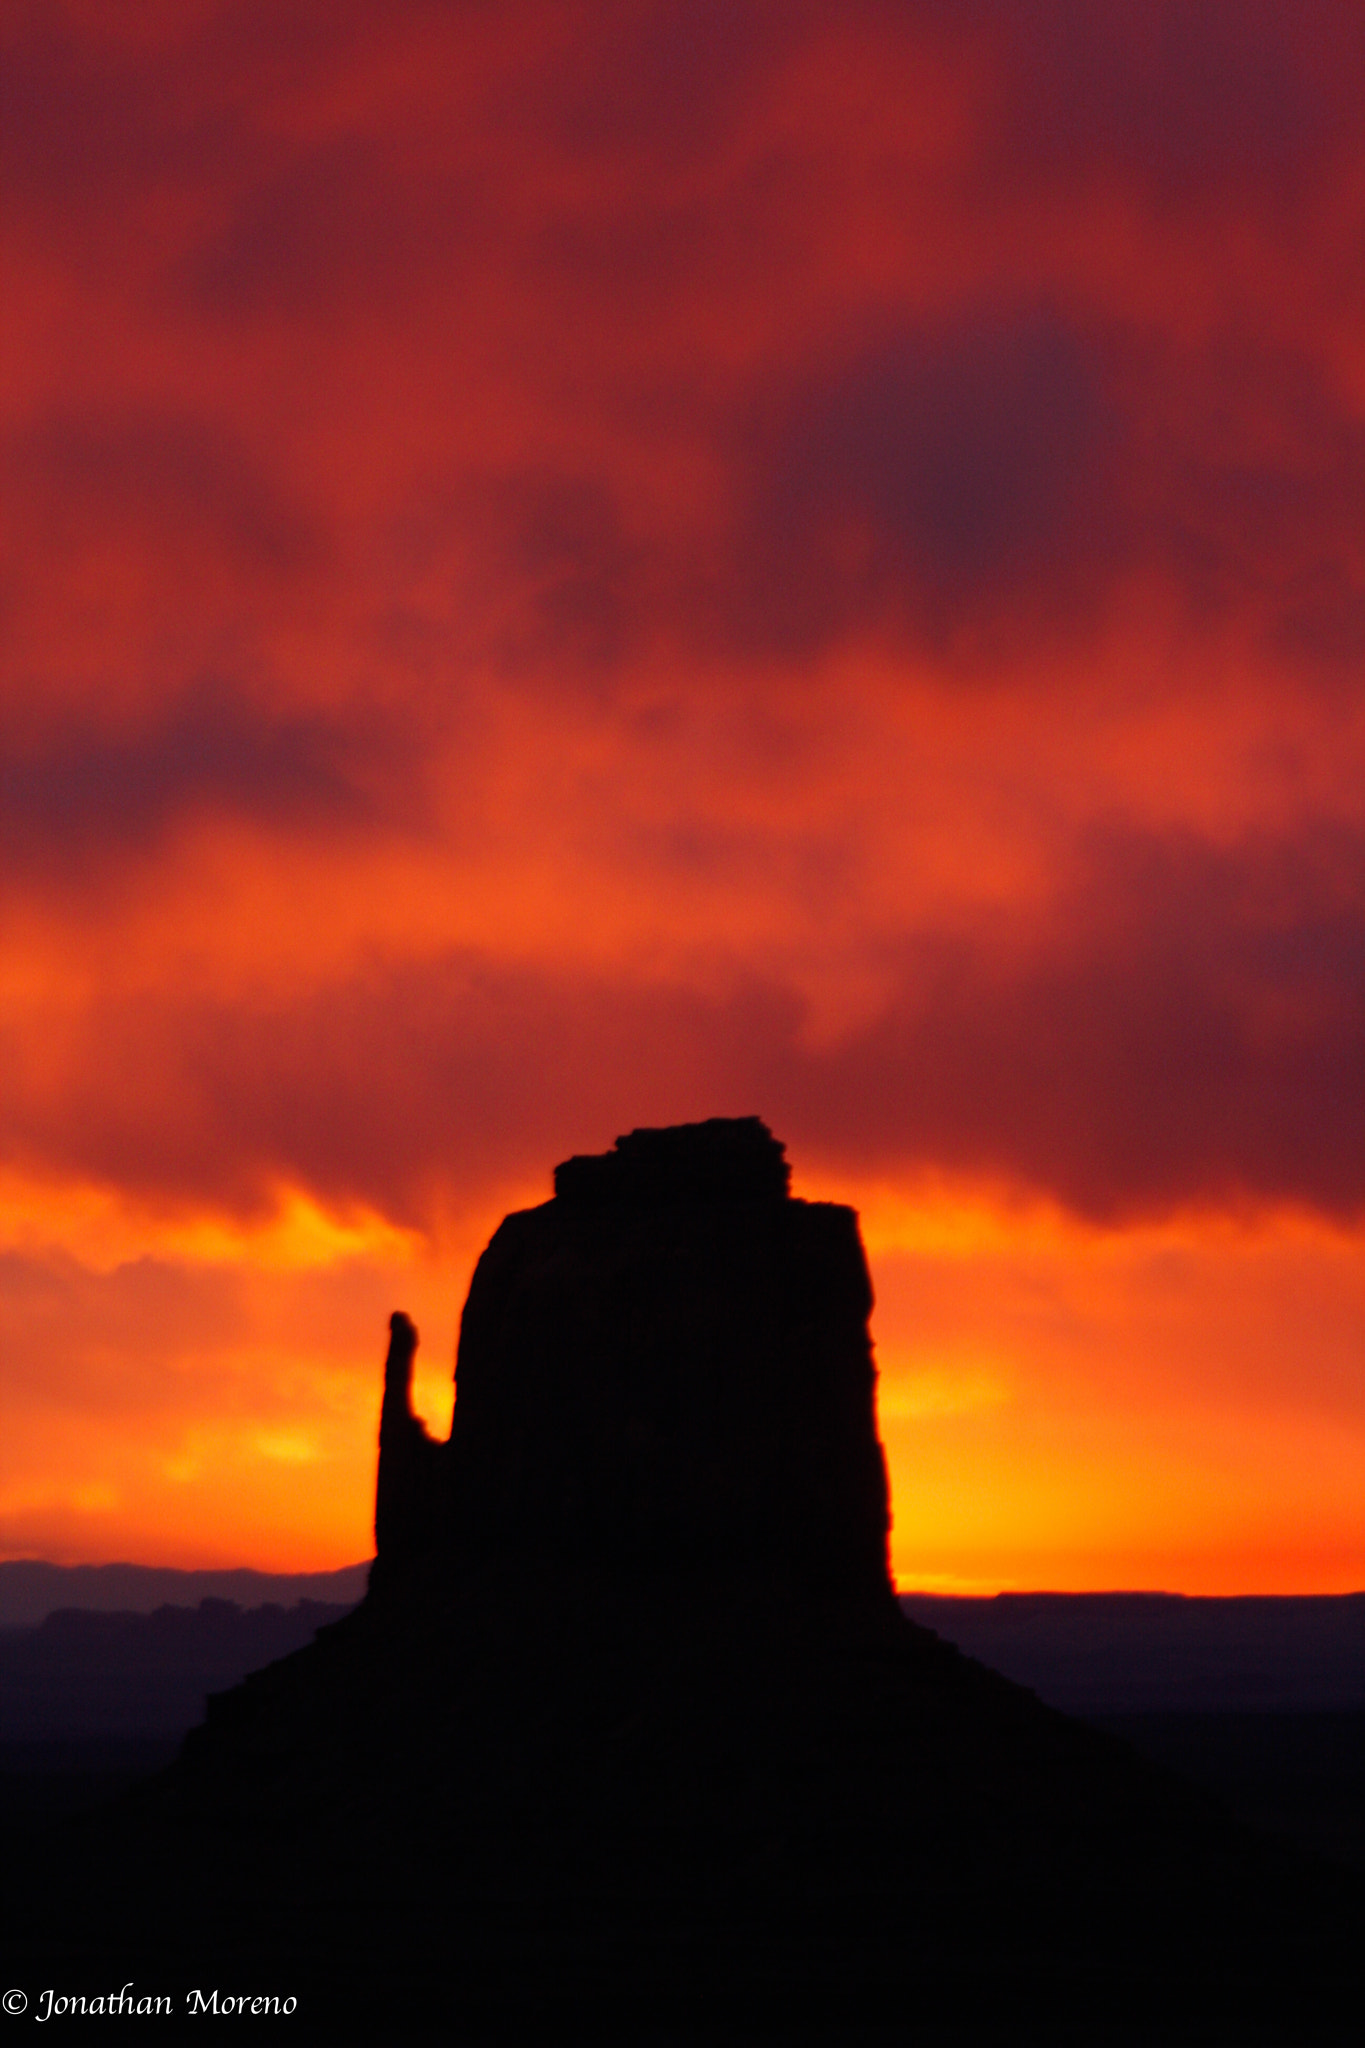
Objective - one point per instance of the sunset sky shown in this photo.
(573, 566)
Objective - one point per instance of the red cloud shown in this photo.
(1190, 1031)
(383, 376)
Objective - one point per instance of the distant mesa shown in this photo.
(31, 1589)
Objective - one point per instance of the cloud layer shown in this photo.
(573, 566)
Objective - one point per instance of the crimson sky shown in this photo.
(575, 566)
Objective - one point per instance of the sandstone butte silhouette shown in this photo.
(630, 1736)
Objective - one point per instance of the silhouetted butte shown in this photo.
(630, 1730)
(665, 1369)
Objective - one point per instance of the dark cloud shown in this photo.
(938, 481)
(384, 1089)
(924, 482)
(667, 80)
(156, 480)
(1190, 1031)
(98, 107)
(962, 442)
(553, 174)
(549, 575)
(1180, 103)
(87, 117)
(1255, 494)
(969, 488)
(964, 478)
(1187, 104)
(77, 798)
(335, 225)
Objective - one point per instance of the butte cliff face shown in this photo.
(665, 1368)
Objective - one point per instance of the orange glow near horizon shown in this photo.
(1062, 1407)
(565, 568)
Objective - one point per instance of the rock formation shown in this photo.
(630, 1739)
(413, 1472)
(666, 1368)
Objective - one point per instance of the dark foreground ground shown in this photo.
(1259, 1702)
(992, 1870)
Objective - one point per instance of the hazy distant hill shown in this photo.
(82, 1675)
(31, 1589)
(1109, 1653)
(1261, 1700)
(1087, 1653)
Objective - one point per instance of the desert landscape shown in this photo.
(682, 893)
(630, 1732)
